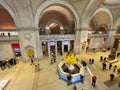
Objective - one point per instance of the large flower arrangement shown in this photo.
(70, 59)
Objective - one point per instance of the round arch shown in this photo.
(108, 12)
(10, 11)
(53, 2)
(55, 21)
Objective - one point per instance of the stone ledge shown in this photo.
(3, 83)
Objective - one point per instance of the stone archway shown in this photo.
(10, 11)
(108, 13)
(115, 28)
(111, 36)
(44, 5)
(57, 22)
(53, 2)
(90, 9)
(105, 10)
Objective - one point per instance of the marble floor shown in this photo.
(23, 75)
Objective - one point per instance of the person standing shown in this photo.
(114, 68)
(9, 34)
(92, 61)
(54, 59)
(82, 78)
(38, 67)
(110, 66)
(112, 77)
(101, 58)
(69, 77)
(118, 54)
(31, 57)
(51, 60)
(104, 66)
(104, 60)
(31, 61)
(94, 78)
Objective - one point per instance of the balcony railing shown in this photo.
(117, 35)
(97, 35)
(57, 37)
(8, 38)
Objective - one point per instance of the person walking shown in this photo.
(112, 77)
(94, 78)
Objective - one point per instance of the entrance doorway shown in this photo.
(71, 45)
(65, 48)
(52, 48)
(59, 47)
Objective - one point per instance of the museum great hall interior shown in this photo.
(47, 29)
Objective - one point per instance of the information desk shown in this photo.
(75, 77)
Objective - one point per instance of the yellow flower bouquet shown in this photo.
(70, 59)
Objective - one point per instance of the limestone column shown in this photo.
(68, 46)
(38, 46)
(62, 47)
(56, 48)
(77, 42)
(118, 49)
(111, 38)
(80, 41)
(30, 38)
(48, 48)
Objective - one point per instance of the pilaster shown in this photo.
(29, 40)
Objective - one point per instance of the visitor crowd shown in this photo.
(7, 63)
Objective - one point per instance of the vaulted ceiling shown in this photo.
(57, 11)
(6, 21)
